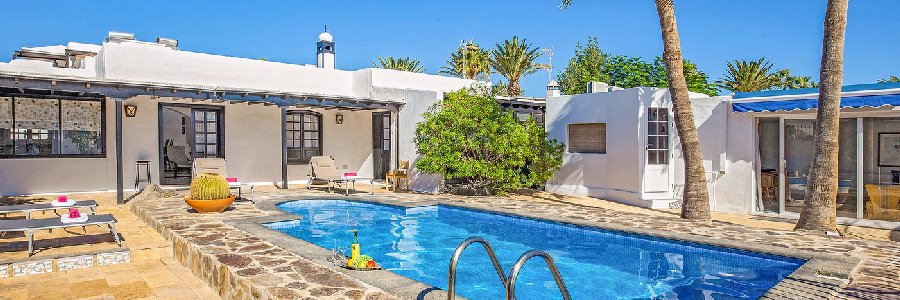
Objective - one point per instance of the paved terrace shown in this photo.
(239, 258)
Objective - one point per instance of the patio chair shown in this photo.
(176, 160)
(883, 202)
(27, 209)
(217, 166)
(29, 226)
(323, 168)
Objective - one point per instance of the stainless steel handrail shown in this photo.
(451, 278)
(514, 273)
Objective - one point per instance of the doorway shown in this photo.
(381, 143)
(188, 132)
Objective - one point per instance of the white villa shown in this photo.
(621, 144)
(79, 117)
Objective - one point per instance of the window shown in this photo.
(304, 136)
(657, 136)
(587, 138)
(206, 136)
(44, 127)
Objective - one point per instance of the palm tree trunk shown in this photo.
(513, 89)
(819, 204)
(696, 195)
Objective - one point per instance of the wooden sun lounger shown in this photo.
(27, 209)
(29, 226)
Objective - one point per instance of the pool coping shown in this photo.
(825, 271)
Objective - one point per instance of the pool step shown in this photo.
(508, 282)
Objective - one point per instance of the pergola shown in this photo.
(119, 90)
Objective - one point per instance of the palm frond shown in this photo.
(401, 64)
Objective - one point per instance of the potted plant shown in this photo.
(209, 193)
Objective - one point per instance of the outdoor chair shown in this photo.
(393, 177)
(176, 160)
(323, 168)
(27, 209)
(29, 226)
(883, 202)
(216, 165)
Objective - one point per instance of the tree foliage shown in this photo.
(590, 63)
(469, 61)
(514, 58)
(758, 75)
(468, 136)
(892, 78)
(400, 63)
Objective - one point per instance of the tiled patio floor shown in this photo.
(152, 274)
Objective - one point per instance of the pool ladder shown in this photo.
(509, 283)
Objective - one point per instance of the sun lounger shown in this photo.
(322, 168)
(27, 209)
(29, 226)
(217, 166)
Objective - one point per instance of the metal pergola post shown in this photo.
(120, 172)
(284, 164)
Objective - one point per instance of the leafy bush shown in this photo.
(469, 137)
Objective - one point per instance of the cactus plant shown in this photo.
(209, 187)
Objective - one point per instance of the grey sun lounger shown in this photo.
(29, 226)
(27, 209)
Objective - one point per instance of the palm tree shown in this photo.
(401, 64)
(514, 59)
(696, 194)
(786, 81)
(892, 78)
(749, 76)
(819, 205)
(469, 61)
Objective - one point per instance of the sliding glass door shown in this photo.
(796, 138)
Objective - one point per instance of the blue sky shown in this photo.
(712, 31)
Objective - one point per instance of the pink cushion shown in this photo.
(350, 174)
(62, 199)
(231, 179)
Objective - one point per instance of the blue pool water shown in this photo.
(595, 264)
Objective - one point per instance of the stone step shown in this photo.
(40, 265)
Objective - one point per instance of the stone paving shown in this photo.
(238, 264)
(152, 273)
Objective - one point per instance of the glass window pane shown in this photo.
(211, 127)
(211, 116)
(81, 122)
(200, 149)
(198, 115)
(651, 129)
(200, 138)
(199, 127)
(38, 119)
(211, 150)
(651, 114)
(6, 129)
(663, 114)
(212, 138)
(662, 128)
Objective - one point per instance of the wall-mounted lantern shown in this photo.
(130, 111)
(339, 118)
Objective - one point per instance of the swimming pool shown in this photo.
(418, 242)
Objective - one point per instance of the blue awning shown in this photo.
(807, 104)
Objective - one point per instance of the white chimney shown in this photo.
(553, 89)
(115, 36)
(597, 87)
(171, 43)
(325, 51)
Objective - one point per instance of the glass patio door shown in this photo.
(207, 137)
(799, 150)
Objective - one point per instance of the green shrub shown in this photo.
(469, 137)
(209, 187)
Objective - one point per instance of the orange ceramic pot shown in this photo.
(205, 206)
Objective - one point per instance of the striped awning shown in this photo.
(873, 101)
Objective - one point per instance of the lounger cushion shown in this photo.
(50, 223)
(44, 206)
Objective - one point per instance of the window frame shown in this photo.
(662, 150)
(291, 140)
(605, 147)
(58, 98)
